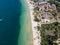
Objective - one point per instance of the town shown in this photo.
(47, 14)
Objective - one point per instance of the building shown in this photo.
(45, 18)
(41, 7)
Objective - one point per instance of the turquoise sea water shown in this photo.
(25, 36)
(15, 26)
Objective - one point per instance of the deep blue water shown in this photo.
(9, 26)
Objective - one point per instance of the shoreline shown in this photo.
(25, 36)
(36, 33)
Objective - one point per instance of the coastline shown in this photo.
(25, 36)
(38, 38)
(36, 33)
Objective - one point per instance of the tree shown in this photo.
(55, 44)
(34, 0)
(54, 13)
(58, 0)
(38, 27)
(58, 8)
(36, 19)
(51, 1)
(35, 11)
(56, 23)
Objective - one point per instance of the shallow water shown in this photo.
(25, 36)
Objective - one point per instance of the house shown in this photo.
(41, 7)
(45, 15)
(45, 5)
(42, 3)
(45, 18)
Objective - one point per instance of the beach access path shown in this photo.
(36, 33)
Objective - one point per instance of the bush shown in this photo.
(58, 8)
(36, 19)
(55, 44)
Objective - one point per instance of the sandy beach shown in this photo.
(25, 36)
(36, 33)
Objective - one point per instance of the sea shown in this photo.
(15, 25)
(10, 11)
